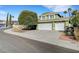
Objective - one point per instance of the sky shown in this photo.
(15, 10)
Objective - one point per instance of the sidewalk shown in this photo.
(51, 37)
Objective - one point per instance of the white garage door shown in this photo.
(59, 26)
(45, 26)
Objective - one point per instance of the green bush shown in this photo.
(27, 18)
(75, 20)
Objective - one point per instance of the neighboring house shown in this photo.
(3, 23)
(52, 21)
(15, 22)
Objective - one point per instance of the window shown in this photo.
(51, 16)
(47, 17)
(43, 17)
(57, 16)
(40, 17)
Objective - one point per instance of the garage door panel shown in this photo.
(59, 26)
(44, 26)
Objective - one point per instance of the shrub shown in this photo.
(27, 18)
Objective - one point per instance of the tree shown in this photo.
(75, 20)
(69, 11)
(74, 12)
(7, 19)
(65, 12)
(27, 18)
(10, 19)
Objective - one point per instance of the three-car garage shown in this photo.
(58, 26)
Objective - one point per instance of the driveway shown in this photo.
(50, 37)
(14, 44)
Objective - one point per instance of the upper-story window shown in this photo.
(43, 17)
(40, 17)
(56, 16)
(47, 17)
(51, 16)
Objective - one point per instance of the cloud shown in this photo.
(3, 15)
(58, 8)
(2, 12)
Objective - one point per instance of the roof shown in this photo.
(50, 13)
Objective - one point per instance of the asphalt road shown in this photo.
(14, 44)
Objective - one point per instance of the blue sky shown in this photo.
(39, 9)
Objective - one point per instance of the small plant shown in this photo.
(69, 31)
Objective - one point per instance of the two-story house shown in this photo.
(52, 21)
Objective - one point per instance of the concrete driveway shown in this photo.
(49, 37)
(14, 44)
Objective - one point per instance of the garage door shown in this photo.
(45, 26)
(59, 26)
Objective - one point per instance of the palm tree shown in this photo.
(65, 12)
(74, 12)
(69, 11)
